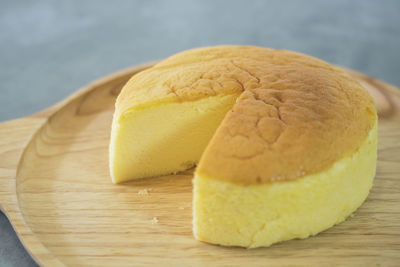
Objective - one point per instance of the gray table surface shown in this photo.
(51, 48)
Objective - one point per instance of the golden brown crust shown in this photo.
(296, 115)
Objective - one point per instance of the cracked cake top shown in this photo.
(296, 115)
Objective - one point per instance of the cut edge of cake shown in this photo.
(165, 138)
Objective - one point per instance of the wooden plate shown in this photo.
(56, 190)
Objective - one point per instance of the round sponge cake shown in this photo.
(285, 143)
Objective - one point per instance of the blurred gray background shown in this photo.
(48, 49)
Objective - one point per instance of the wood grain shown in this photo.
(56, 190)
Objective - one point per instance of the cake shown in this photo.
(285, 144)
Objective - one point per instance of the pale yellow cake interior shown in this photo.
(260, 215)
(164, 138)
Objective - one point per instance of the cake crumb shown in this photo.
(154, 221)
(143, 192)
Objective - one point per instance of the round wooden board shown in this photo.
(56, 190)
